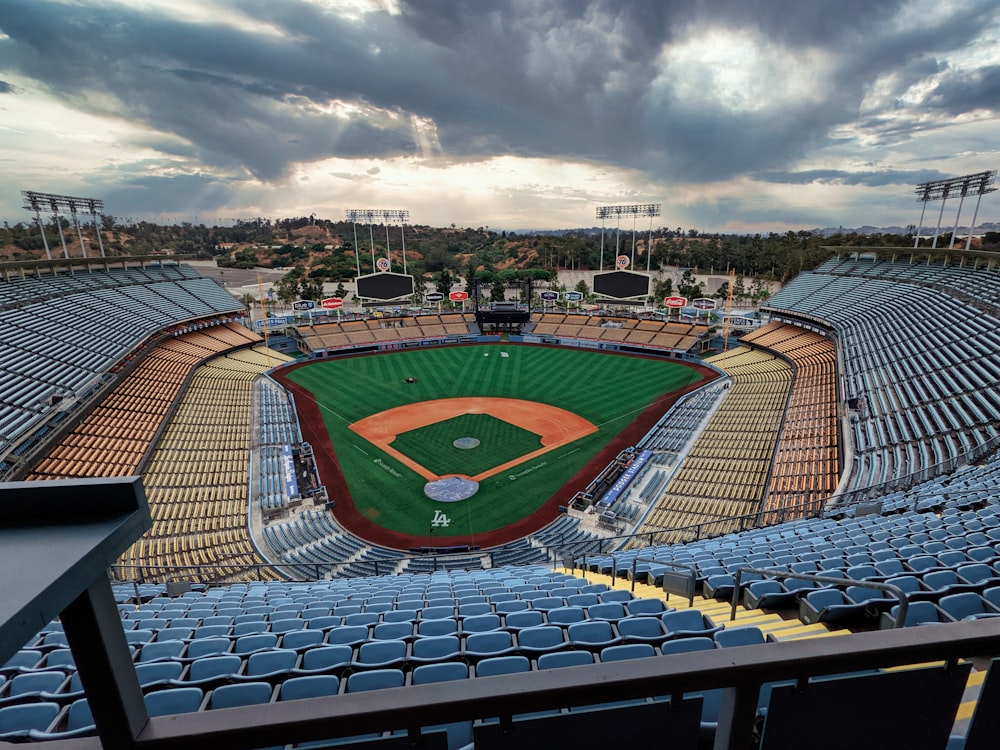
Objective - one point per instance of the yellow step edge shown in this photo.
(816, 634)
(719, 611)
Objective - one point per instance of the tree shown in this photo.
(740, 288)
(581, 286)
(247, 300)
(340, 291)
(444, 281)
(311, 289)
(287, 286)
(418, 289)
(759, 291)
(688, 287)
(663, 288)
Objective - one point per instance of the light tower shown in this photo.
(977, 184)
(59, 204)
(634, 210)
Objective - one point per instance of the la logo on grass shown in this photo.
(440, 519)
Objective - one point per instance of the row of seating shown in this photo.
(63, 334)
(653, 333)
(353, 333)
(975, 278)
(20, 290)
(806, 467)
(136, 409)
(199, 512)
(920, 362)
(725, 470)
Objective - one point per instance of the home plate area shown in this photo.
(451, 489)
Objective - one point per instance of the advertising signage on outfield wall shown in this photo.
(703, 303)
(572, 296)
(675, 301)
(548, 296)
(434, 296)
(303, 304)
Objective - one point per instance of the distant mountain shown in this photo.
(824, 232)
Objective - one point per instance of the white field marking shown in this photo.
(620, 416)
(323, 406)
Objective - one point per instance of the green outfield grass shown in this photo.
(499, 442)
(607, 389)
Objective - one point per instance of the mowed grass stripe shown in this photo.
(604, 388)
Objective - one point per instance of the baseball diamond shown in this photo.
(555, 427)
(547, 418)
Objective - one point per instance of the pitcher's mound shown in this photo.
(451, 489)
(465, 443)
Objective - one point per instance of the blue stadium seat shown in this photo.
(272, 665)
(592, 635)
(240, 694)
(19, 720)
(375, 679)
(381, 655)
(437, 627)
(566, 616)
(329, 659)
(499, 665)
(173, 701)
(539, 640)
(214, 670)
(528, 618)
(686, 623)
(558, 659)
(649, 630)
(247, 644)
(485, 645)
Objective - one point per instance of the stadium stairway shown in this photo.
(777, 626)
(771, 624)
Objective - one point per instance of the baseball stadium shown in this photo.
(505, 525)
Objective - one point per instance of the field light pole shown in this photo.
(382, 215)
(59, 205)
(634, 210)
(977, 184)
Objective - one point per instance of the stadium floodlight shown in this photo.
(629, 209)
(977, 184)
(59, 205)
(371, 216)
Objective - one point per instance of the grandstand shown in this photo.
(840, 480)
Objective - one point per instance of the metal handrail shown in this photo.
(904, 603)
(671, 564)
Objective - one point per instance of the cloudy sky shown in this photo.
(735, 115)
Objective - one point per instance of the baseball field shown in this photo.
(438, 445)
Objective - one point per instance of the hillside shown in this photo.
(316, 250)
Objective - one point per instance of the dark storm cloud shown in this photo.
(6, 88)
(878, 178)
(192, 194)
(967, 91)
(563, 79)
